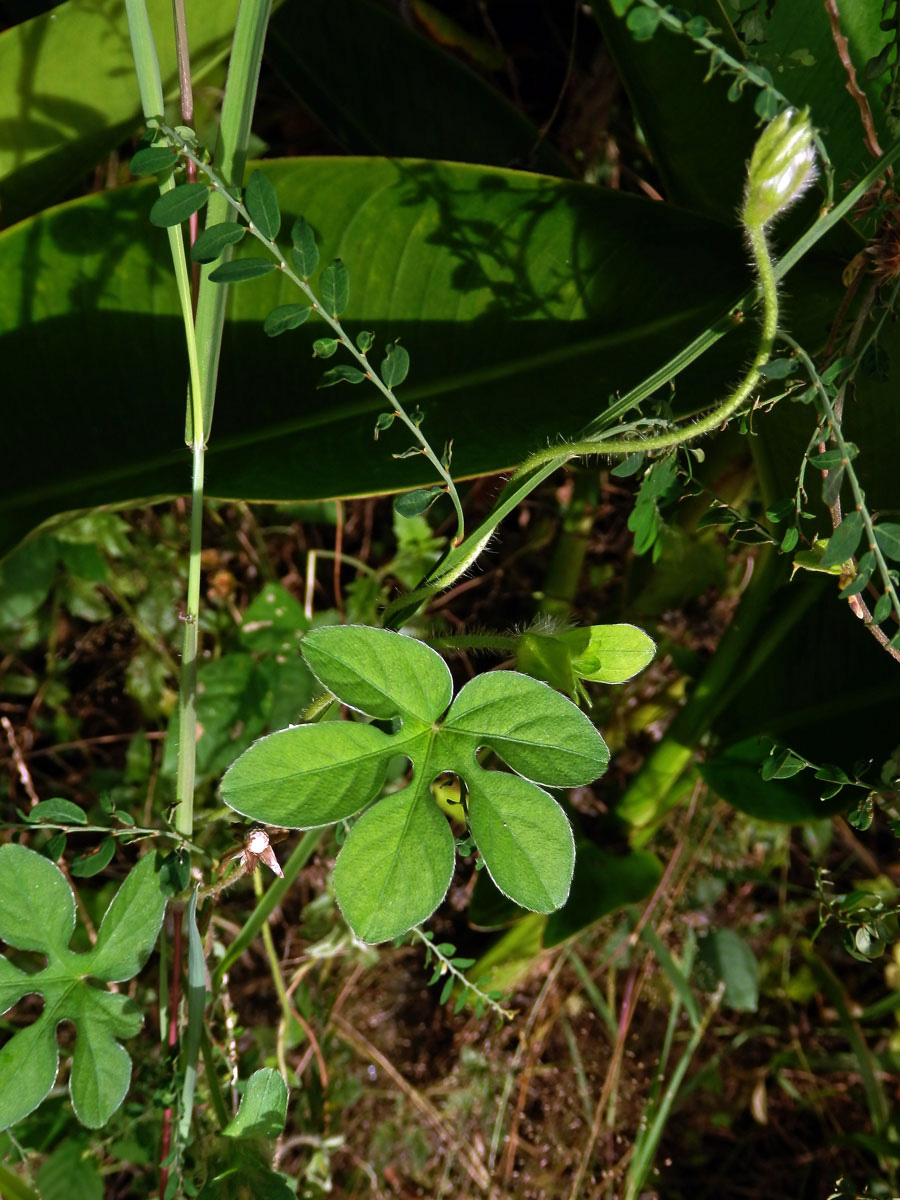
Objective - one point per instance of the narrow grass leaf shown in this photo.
(179, 204)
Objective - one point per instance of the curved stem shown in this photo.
(706, 424)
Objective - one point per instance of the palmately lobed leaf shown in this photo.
(380, 673)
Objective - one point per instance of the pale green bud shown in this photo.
(782, 167)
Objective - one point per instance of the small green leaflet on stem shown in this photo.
(177, 205)
(304, 252)
(335, 287)
(261, 203)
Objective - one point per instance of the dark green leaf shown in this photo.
(342, 374)
(153, 160)
(395, 366)
(887, 535)
(778, 368)
(843, 542)
(286, 316)
(335, 287)
(177, 205)
(211, 242)
(643, 22)
(325, 347)
(728, 959)
(241, 269)
(865, 569)
(827, 460)
(95, 862)
(629, 465)
(882, 609)
(411, 504)
(364, 341)
(59, 811)
(304, 252)
(261, 202)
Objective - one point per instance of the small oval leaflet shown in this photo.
(241, 269)
(395, 367)
(211, 242)
(261, 203)
(286, 316)
(305, 252)
(335, 285)
(153, 160)
(177, 205)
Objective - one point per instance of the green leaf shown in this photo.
(724, 956)
(735, 775)
(603, 883)
(263, 1109)
(153, 160)
(335, 287)
(365, 340)
(843, 542)
(341, 374)
(537, 732)
(378, 672)
(395, 867)
(325, 347)
(882, 610)
(286, 316)
(261, 202)
(212, 241)
(37, 912)
(304, 252)
(69, 1173)
(887, 535)
(177, 205)
(395, 366)
(59, 811)
(524, 838)
(240, 269)
(308, 776)
(95, 861)
(397, 862)
(599, 653)
(411, 504)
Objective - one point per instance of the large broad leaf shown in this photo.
(398, 859)
(524, 304)
(68, 94)
(37, 912)
(396, 92)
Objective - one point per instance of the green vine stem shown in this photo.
(833, 424)
(219, 188)
(780, 170)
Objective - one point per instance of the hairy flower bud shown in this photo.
(782, 167)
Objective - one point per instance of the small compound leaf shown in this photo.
(395, 867)
(308, 776)
(525, 839)
(335, 288)
(535, 730)
(414, 503)
(261, 202)
(59, 811)
(305, 252)
(28, 1065)
(395, 366)
(130, 926)
(263, 1109)
(241, 269)
(341, 374)
(212, 241)
(887, 535)
(379, 672)
(153, 160)
(37, 908)
(286, 316)
(177, 205)
(843, 542)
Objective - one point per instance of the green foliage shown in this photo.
(37, 912)
(396, 864)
